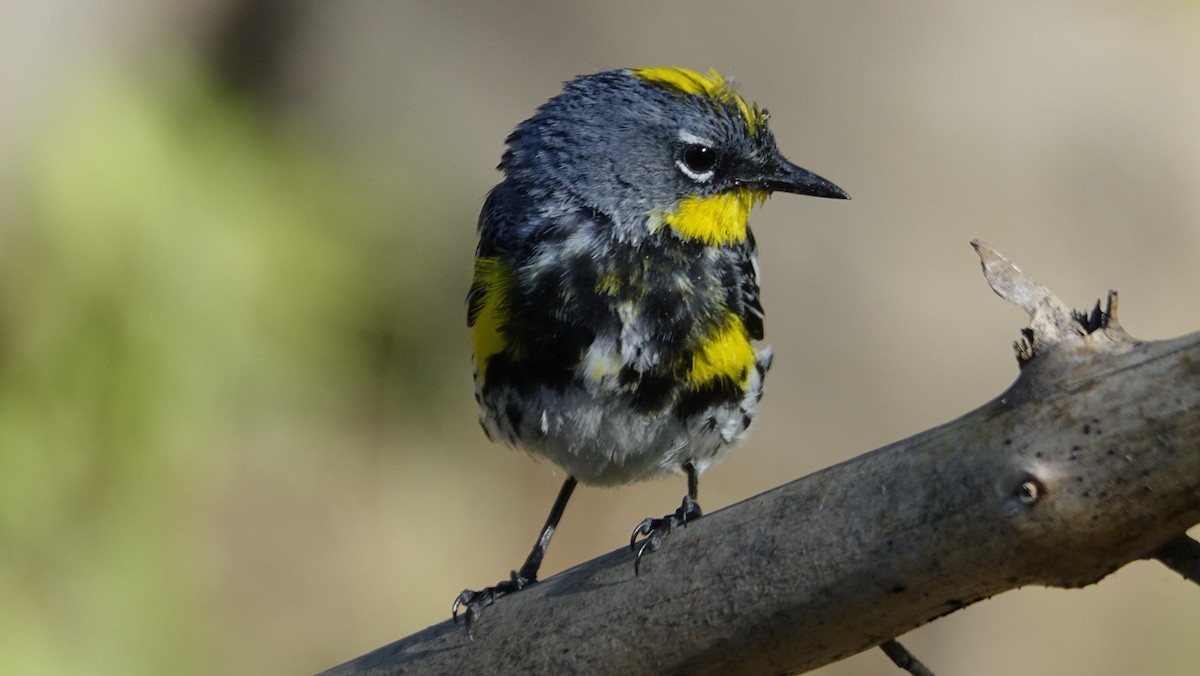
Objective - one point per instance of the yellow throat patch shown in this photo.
(716, 220)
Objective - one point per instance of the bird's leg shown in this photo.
(656, 530)
(475, 601)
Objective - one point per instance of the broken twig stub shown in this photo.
(1051, 321)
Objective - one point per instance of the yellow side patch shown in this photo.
(717, 220)
(490, 292)
(713, 86)
(608, 284)
(725, 354)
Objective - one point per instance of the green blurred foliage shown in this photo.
(180, 284)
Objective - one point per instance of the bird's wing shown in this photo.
(751, 309)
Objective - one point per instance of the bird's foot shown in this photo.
(656, 530)
(473, 602)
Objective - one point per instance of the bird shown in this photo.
(614, 306)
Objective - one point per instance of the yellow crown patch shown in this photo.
(712, 85)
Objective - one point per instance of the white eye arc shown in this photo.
(697, 157)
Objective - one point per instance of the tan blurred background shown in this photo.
(236, 425)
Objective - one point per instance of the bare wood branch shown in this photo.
(1182, 555)
(1089, 461)
(900, 656)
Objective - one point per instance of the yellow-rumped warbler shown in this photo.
(615, 294)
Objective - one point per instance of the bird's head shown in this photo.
(655, 147)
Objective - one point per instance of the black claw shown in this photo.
(644, 528)
(475, 601)
(656, 530)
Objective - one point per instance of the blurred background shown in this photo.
(237, 432)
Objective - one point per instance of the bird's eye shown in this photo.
(698, 161)
(699, 158)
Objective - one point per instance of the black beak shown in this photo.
(787, 177)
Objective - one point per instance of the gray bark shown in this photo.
(1089, 461)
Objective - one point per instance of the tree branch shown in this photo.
(1089, 461)
(1182, 555)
